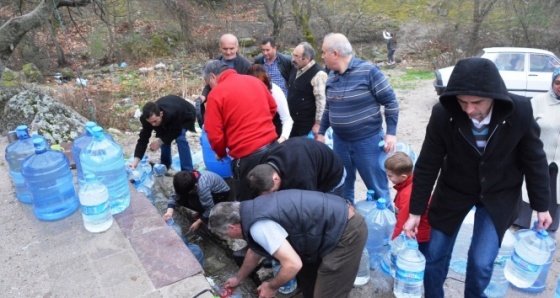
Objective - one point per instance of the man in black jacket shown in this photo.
(480, 142)
(277, 65)
(315, 236)
(298, 163)
(170, 117)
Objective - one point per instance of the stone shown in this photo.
(32, 73)
(44, 115)
(11, 78)
(67, 73)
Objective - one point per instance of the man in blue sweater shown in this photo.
(356, 90)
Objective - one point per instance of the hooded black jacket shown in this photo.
(466, 176)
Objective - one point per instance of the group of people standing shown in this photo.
(294, 196)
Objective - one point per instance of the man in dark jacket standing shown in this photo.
(298, 163)
(170, 116)
(315, 236)
(481, 140)
(277, 65)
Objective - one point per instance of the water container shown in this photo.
(12, 136)
(529, 257)
(540, 284)
(15, 153)
(290, 286)
(138, 179)
(94, 201)
(499, 285)
(160, 188)
(147, 174)
(382, 155)
(48, 177)
(79, 144)
(104, 158)
(459, 256)
(409, 278)
(329, 137)
(220, 167)
(380, 223)
(363, 275)
(395, 247)
(364, 207)
(404, 147)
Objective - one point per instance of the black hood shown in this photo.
(477, 77)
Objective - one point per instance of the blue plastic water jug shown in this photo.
(79, 144)
(364, 207)
(380, 223)
(530, 255)
(47, 175)
(220, 167)
(16, 152)
(104, 158)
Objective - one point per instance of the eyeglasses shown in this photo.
(297, 56)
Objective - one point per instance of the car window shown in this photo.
(502, 61)
(510, 61)
(543, 63)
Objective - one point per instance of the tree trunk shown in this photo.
(60, 57)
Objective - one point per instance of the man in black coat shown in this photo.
(277, 65)
(480, 142)
(170, 117)
(298, 163)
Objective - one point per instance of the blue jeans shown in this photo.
(482, 253)
(184, 153)
(363, 156)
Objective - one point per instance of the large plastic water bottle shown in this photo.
(147, 173)
(404, 147)
(499, 285)
(290, 286)
(540, 284)
(104, 158)
(380, 223)
(409, 277)
(15, 153)
(529, 257)
(138, 179)
(396, 245)
(48, 177)
(460, 252)
(94, 201)
(79, 144)
(220, 167)
(364, 207)
(363, 275)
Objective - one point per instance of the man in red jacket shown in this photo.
(239, 116)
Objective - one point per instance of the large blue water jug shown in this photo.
(365, 206)
(16, 152)
(530, 255)
(220, 167)
(409, 276)
(104, 158)
(540, 284)
(401, 147)
(79, 144)
(380, 223)
(47, 175)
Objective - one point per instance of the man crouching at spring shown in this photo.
(316, 237)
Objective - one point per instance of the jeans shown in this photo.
(482, 253)
(363, 156)
(184, 153)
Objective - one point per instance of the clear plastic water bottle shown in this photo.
(15, 153)
(138, 179)
(79, 144)
(363, 275)
(290, 286)
(104, 158)
(395, 247)
(404, 147)
(364, 207)
(147, 173)
(409, 278)
(94, 201)
(329, 137)
(48, 177)
(460, 253)
(529, 257)
(499, 285)
(380, 223)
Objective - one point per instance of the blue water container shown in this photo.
(79, 144)
(220, 167)
(381, 224)
(47, 175)
(409, 275)
(15, 153)
(529, 257)
(364, 207)
(104, 158)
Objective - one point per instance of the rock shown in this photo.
(32, 73)
(56, 122)
(67, 73)
(246, 42)
(11, 78)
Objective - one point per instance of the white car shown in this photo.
(525, 71)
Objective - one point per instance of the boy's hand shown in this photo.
(168, 215)
(196, 225)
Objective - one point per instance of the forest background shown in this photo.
(92, 38)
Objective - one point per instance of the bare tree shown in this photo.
(481, 8)
(12, 32)
(301, 11)
(275, 12)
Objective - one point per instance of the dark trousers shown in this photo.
(240, 167)
(334, 274)
(301, 129)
